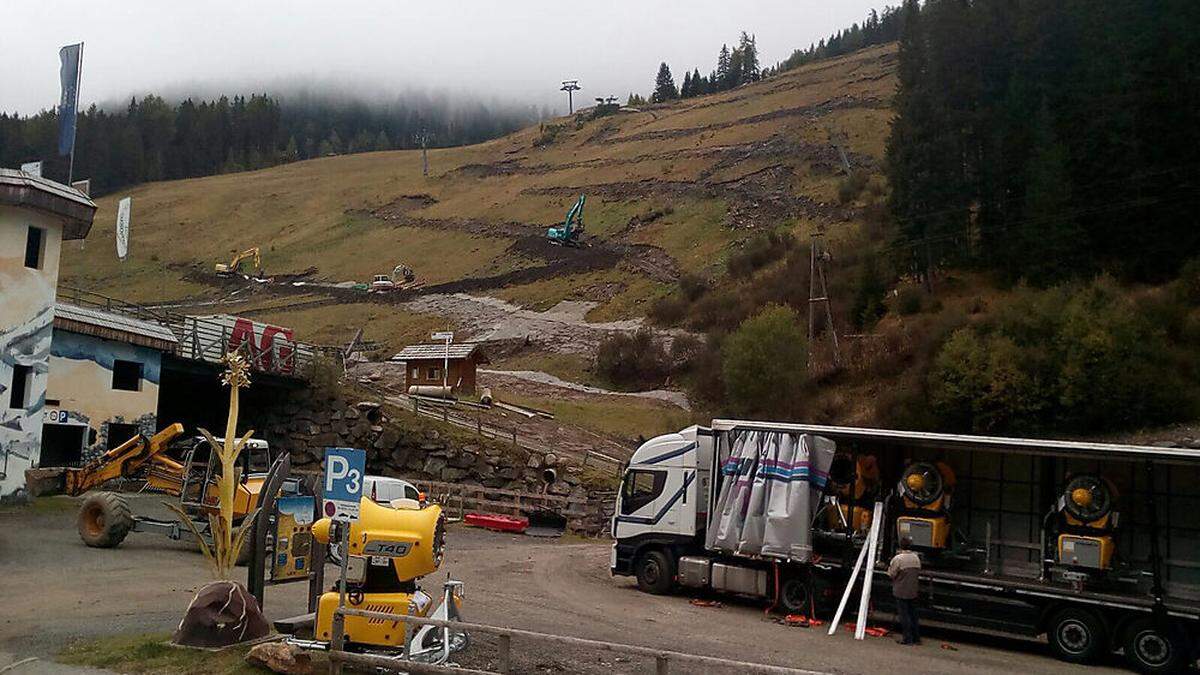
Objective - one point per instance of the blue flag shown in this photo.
(68, 74)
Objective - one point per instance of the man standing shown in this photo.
(903, 570)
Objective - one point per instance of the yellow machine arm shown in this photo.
(250, 253)
(125, 460)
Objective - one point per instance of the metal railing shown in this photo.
(208, 339)
(664, 659)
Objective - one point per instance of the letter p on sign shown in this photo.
(344, 471)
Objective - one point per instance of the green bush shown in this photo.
(759, 251)
(668, 310)
(1064, 360)
(763, 362)
(850, 187)
(908, 301)
(633, 360)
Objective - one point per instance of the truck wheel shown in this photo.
(1152, 647)
(1077, 635)
(655, 572)
(104, 520)
(793, 596)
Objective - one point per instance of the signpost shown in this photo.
(341, 493)
(344, 470)
(448, 336)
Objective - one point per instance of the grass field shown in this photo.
(679, 157)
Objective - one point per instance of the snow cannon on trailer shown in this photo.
(570, 232)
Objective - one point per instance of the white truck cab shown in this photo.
(663, 502)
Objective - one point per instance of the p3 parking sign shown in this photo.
(344, 471)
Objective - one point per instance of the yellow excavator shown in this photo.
(105, 517)
(235, 265)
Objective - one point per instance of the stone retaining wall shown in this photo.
(407, 446)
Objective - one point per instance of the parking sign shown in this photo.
(344, 470)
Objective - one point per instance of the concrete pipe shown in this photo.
(431, 390)
(549, 476)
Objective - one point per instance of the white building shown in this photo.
(36, 216)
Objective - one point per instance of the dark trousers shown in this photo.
(906, 611)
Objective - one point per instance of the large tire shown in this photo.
(1155, 647)
(1077, 635)
(104, 520)
(655, 572)
(794, 595)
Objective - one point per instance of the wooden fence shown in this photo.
(457, 498)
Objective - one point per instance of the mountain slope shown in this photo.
(671, 189)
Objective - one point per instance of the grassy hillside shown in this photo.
(671, 189)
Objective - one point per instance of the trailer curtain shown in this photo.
(771, 484)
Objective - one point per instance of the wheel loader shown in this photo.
(105, 517)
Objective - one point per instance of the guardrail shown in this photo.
(208, 339)
(664, 659)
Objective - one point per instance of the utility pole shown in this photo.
(817, 258)
(423, 138)
(570, 86)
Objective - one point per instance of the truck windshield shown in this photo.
(641, 487)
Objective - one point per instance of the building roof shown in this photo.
(458, 350)
(110, 326)
(76, 209)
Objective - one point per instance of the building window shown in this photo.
(19, 389)
(435, 373)
(34, 244)
(416, 373)
(127, 375)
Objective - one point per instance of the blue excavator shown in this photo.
(569, 233)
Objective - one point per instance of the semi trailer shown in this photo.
(1094, 546)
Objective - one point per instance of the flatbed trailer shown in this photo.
(1002, 570)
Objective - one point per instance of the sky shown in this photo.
(516, 51)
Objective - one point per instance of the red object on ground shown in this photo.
(497, 522)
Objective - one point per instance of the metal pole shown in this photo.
(75, 126)
(339, 620)
(446, 369)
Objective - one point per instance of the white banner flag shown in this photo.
(123, 227)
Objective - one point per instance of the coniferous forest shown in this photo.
(151, 139)
(1048, 139)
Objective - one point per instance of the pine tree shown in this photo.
(686, 90)
(664, 85)
(749, 59)
(699, 86)
(291, 153)
(721, 79)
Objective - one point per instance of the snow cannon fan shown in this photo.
(1087, 522)
(926, 489)
(855, 485)
(390, 550)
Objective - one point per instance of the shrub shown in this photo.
(759, 251)
(869, 293)
(638, 359)
(692, 286)
(763, 362)
(850, 187)
(668, 310)
(1079, 360)
(908, 301)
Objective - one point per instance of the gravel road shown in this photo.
(56, 590)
